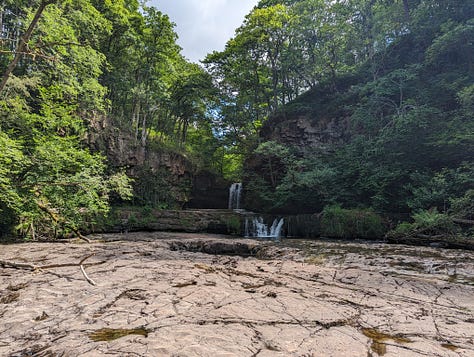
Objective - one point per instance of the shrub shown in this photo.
(426, 223)
(433, 222)
(338, 222)
(233, 225)
(463, 207)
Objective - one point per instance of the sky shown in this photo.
(204, 26)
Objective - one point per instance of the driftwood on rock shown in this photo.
(428, 236)
(10, 264)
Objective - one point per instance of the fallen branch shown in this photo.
(32, 267)
(6, 264)
(427, 236)
(89, 280)
(463, 221)
(78, 234)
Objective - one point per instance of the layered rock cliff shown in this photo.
(318, 120)
(162, 177)
(314, 125)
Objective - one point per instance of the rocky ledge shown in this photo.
(176, 294)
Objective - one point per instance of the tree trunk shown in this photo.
(406, 9)
(144, 131)
(23, 42)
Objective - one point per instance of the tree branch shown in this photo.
(23, 42)
(57, 219)
(89, 280)
(463, 221)
(32, 54)
(32, 267)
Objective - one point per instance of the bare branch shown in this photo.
(6, 263)
(463, 221)
(26, 266)
(89, 280)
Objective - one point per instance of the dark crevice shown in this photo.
(220, 248)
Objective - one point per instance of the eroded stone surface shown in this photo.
(312, 299)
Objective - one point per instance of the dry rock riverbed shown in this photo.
(170, 294)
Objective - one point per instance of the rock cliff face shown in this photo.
(209, 191)
(305, 132)
(193, 221)
(154, 169)
(315, 124)
(163, 178)
(123, 150)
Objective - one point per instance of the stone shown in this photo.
(177, 294)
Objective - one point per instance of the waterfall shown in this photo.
(255, 227)
(234, 195)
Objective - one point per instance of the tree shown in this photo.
(50, 184)
(397, 76)
(189, 99)
(20, 50)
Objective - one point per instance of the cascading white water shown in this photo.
(275, 230)
(255, 227)
(234, 195)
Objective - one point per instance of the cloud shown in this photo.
(204, 26)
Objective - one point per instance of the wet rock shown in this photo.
(216, 221)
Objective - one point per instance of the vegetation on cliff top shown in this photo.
(396, 76)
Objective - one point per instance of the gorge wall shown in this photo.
(305, 132)
(162, 177)
(311, 127)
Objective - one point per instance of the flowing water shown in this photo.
(235, 192)
(256, 227)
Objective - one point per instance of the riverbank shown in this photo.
(163, 294)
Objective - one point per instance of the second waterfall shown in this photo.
(234, 195)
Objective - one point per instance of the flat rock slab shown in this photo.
(164, 294)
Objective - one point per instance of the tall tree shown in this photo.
(54, 185)
(20, 50)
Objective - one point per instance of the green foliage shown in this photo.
(159, 189)
(463, 207)
(401, 73)
(50, 184)
(427, 223)
(432, 222)
(408, 99)
(233, 225)
(438, 190)
(452, 47)
(337, 222)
